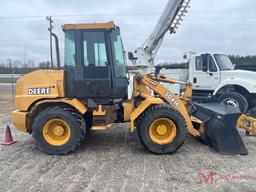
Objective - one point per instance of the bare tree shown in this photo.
(44, 65)
(2, 64)
(9, 62)
(31, 63)
(17, 64)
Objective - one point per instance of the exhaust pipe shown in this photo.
(57, 49)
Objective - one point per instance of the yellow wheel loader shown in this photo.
(59, 107)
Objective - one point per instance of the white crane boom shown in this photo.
(169, 21)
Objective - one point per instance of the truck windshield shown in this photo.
(224, 62)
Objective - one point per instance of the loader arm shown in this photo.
(182, 104)
(213, 123)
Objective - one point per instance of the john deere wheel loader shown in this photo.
(59, 107)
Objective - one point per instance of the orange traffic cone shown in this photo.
(8, 140)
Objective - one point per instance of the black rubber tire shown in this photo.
(71, 117)
(156, 112)
(237, 97)
(84, 128)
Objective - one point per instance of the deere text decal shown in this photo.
(39, 91)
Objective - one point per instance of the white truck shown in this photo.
(214, 76)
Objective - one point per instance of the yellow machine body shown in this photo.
(38, 85)
(40, 88)
(31, 93)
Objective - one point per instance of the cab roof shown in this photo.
(107, 26)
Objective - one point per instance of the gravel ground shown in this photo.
(115, 161)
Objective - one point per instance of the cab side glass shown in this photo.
(70, 49)
(199, 63)
(119, 57)
(205, 61)
(212, 65)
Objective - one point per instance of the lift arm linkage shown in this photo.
(146, 82)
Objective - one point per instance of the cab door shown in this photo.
(90, 74)
(206, 74)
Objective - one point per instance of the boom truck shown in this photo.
(169, 21)
(59, 107)
(214, 75)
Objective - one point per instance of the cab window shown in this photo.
(94, 49)
(212, 65)
(119, 57)
(118, 54)
(199, 63)
(70, 49)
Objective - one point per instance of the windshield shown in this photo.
(118, 54)
(224, 62)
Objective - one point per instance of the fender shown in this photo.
(245, 83)
(21, 118)
(75, 103)
(141, 108)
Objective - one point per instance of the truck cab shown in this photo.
(207, 71)
(215, 75)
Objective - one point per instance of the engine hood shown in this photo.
(239, 74)
(42, 84)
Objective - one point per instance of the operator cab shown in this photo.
(95, 63)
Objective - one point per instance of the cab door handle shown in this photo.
(195, 80)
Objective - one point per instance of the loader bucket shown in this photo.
(220, 129)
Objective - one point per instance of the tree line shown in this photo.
(240, 60)
(18, 67)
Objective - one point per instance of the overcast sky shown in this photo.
(223, 26)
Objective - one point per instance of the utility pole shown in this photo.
(49, 18)
(10, 65)
(25, 59)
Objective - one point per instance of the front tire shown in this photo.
(161, 129)
(58, 130)
(236, 100)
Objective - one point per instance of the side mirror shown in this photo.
(205, 60)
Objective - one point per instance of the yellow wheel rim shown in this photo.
(56, 132)
(162, 131)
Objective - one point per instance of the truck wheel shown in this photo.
(58, 130)
(161, 129)
(236, 100)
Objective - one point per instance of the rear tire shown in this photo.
(236, 100)
(163, 119)
(59, 130)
